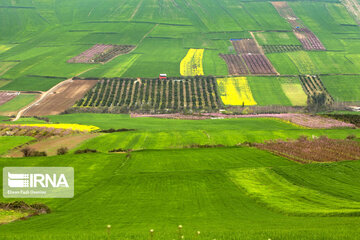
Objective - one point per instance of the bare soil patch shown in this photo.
(258, 64)
(7, 96)
(101, 53)
(322, 149)
(19, 210)
(308, 39)
(61, 98)
(51, 145)
(245, 46)
(235, 63)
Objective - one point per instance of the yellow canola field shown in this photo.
(191, 65)
(235, 91)
(75, 127)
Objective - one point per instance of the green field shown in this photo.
(268, 91)
(152, 133)
(17, 103)
(343, 88)
(195, 188)
(9, 142)
(47, 35)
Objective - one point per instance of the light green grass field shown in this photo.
(9, 142)
(268, 91)
(152, 133)
(294, 91)
(276, 38)
(162, 189)
(343, 88)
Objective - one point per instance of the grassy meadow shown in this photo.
(161, 189)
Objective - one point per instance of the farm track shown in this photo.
(66, 93)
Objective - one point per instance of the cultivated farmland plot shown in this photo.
(101, 53)
(7, 96)
(281, 48)
(61, 98)
(286, 12)
(318, 150)
(249, 59)
(245, 46)
(258, 64)
(307, 38)
(153, 95)
(191, 64)
(235, 91)
(313, 85)
(235, 63)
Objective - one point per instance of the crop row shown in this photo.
(101, 53)
(307, 38)
(317, 150)
(248, 63)
(313, 85)
(153, 94)
(281, 48)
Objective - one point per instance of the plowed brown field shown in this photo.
(61, 98)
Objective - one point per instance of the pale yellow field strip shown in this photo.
(295, 93)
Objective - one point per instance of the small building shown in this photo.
(163, 76)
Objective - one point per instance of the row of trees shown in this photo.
(197, 93)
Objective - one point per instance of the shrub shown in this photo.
(62, 151)
(87, 150)
(40, 208)
(351, 137)
(28, 152)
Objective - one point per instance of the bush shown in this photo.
(87, 150)
(62, 151)
(29, 152)
(351, 137)
(41, 208)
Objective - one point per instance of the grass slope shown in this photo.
(9, 142)
(161, 189)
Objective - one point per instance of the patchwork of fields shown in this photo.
(218, 191)
(219, 175)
